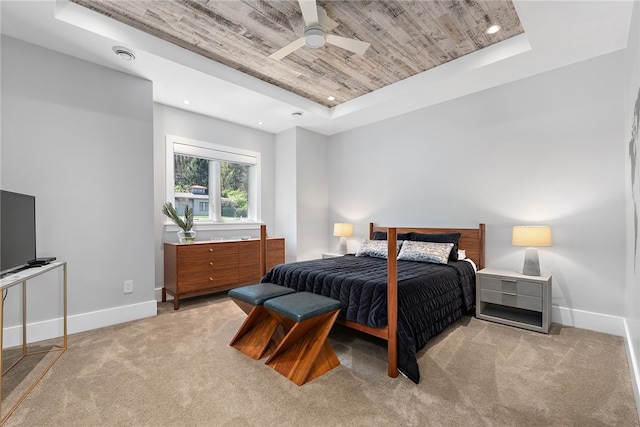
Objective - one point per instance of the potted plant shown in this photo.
(186, 234)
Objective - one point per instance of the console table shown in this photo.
(22, 278)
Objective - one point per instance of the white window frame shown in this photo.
(190, 147)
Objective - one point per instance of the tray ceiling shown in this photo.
(407, 37)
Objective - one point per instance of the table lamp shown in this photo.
(531, 236)
(342, 230)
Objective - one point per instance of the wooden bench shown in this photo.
(305, 352)
(258, 335)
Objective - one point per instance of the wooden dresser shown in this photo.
(206, 267)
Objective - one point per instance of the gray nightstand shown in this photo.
(514, 299)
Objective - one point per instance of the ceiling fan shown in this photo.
(315, 34)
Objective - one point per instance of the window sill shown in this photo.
(217, 226)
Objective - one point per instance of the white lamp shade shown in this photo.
(342, 229)
(531, 235)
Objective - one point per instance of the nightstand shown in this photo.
(514, 299)
(331, 255)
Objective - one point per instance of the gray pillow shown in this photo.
(437, 253)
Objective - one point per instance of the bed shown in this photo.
(401, 301)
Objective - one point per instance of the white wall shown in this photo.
(544, 150)
(302, 196)
(286, 193)
(312, 194)
(632, 142)
(79, 137)
(177, 122)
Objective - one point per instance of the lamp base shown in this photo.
(531, 262)
(342, 248)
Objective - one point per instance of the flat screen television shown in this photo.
(17, 231)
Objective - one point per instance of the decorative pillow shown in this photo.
(440, 238)
(375, 248)
(382, 235)
(462, 254)
(437, 253)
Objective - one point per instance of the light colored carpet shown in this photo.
(177, 369)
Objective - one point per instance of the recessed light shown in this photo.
(493, 29)
(331, 98)
(186, 101)
(124, 53)
(260, 123)
(297, 114)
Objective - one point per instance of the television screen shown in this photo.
(17, 230)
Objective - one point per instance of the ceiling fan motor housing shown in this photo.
(314, 37)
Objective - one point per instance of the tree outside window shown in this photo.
(197, 181)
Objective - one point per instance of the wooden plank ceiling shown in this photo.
(407, 37)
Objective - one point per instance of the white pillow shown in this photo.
(425, 252)
(462, 254)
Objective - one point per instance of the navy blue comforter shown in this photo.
(430, 296)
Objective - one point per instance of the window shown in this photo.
(219, 183)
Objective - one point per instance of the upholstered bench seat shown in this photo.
(305, 352)
(258, 335)
(302, 305)
(258, 294)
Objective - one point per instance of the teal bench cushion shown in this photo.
(302, 305)
(258, 294)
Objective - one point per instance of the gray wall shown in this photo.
(302, 196)
(632, 138)
(176, 122)
(79, 137)
(544, 150)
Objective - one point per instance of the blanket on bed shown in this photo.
(430, 296)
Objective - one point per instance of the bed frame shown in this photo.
(471, 240)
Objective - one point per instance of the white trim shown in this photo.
(634, 369)
(597, 322)
(203, 149)
(53, 328)
(231, 154)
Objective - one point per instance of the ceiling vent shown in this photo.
(124, 53)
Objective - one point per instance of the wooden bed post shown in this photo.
(263, 250)
(392, 302)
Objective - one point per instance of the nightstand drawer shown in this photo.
(512, 286)
(511, 299)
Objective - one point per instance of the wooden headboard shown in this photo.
(471, 239)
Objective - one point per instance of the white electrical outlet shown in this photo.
(128, 287)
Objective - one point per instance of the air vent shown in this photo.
(124, 53)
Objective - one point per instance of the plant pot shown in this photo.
(187, 236)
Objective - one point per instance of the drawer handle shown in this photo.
(211, 263)
(210, 250)
(210, 279)
(509, 293)
(510, 280)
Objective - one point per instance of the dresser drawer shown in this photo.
(513, 286)
(511, 299)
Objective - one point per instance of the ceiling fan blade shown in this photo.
(309, 12)
(355, 46)
(282, 52)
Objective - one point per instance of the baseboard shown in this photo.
(53, 328)
(597, 322)
(634, 369)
